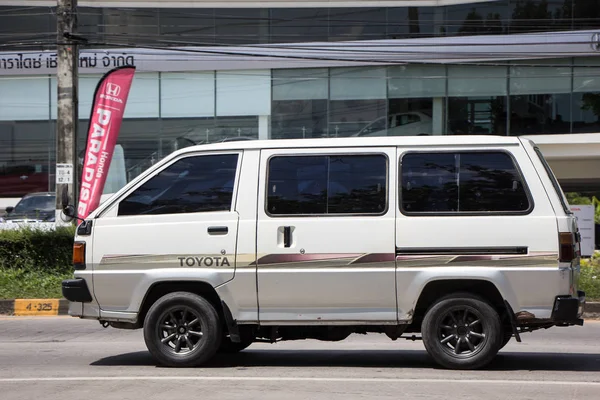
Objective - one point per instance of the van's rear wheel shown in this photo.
(462, 332)
(182, 330)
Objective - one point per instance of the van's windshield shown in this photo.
(557, 188)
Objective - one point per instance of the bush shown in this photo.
(49, 251)
(18, 283)
(589, 280)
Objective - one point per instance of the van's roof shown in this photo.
(438, 140)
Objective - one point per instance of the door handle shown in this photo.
(287, 236)
(218, 230)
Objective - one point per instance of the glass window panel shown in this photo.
(183, 26)
(357, 23)
(462, 182)
(490, 182)
(187, 94)
(540, 16)
(25, 151)
(242, 26)
(429, 182)
(190, 185)
(349, 117)
(357, 184)
(295, 119)
(417, 80)
(358, 83)
(586, 95)
(234, 128)
(178, 133)
(297, 185)
(586, 74)
(476, 80)
(300, 84)
(143, 99)
(413, 22)
(341, 184)
(483, 18)
(131, 25)
(477, 115)
(540, 114)
(24, 98)
(586, 14)
(540, 76)
(27, 28)
(586, 112)
(290, 25)
(243, 92)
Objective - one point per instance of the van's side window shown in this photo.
(461, 182)
(192, 184)
(333, 184)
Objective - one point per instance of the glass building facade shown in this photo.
(171, 110)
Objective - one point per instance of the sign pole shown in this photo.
(67, 105)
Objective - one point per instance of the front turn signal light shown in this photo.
(79, 255)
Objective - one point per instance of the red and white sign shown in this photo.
(110, 99)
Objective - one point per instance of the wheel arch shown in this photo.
(436, 289)
(162, 288)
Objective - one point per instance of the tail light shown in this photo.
(567, 252)
(79, 255)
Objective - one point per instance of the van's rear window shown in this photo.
(462, 182)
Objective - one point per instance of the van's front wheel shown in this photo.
(462, 332)
(182, 330)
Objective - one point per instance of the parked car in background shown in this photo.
(33, 207)
(404, 124)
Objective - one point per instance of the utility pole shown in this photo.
(68, 104)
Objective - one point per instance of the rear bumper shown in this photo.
(568, 310)
(76, 290)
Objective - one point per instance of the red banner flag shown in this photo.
(110, 99)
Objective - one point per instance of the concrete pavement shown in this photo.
(69, 359)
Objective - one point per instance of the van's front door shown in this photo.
(326, 247)
(175, 226)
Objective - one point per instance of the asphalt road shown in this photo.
(69, 359)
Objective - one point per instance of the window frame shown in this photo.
(327, 215)
(512, 157)
(112, 210)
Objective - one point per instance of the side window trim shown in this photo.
(557, 189)
(327, 215)
(113, 208)
(516, 165)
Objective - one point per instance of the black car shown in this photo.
(33, 207)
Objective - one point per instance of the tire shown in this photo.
(229, 347)
(182, 329)
(462, 331)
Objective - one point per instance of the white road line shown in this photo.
(296, 379)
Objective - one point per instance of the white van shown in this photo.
(466, 240)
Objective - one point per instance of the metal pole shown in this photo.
(67, 102)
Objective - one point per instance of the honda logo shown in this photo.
(113, 90)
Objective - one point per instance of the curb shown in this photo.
(50, 307)
(34, 307)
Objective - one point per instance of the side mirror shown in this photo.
(69, 211)
(9, 209)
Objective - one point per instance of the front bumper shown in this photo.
(568, 310)
(76, 290)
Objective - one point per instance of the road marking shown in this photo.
(297, 379)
